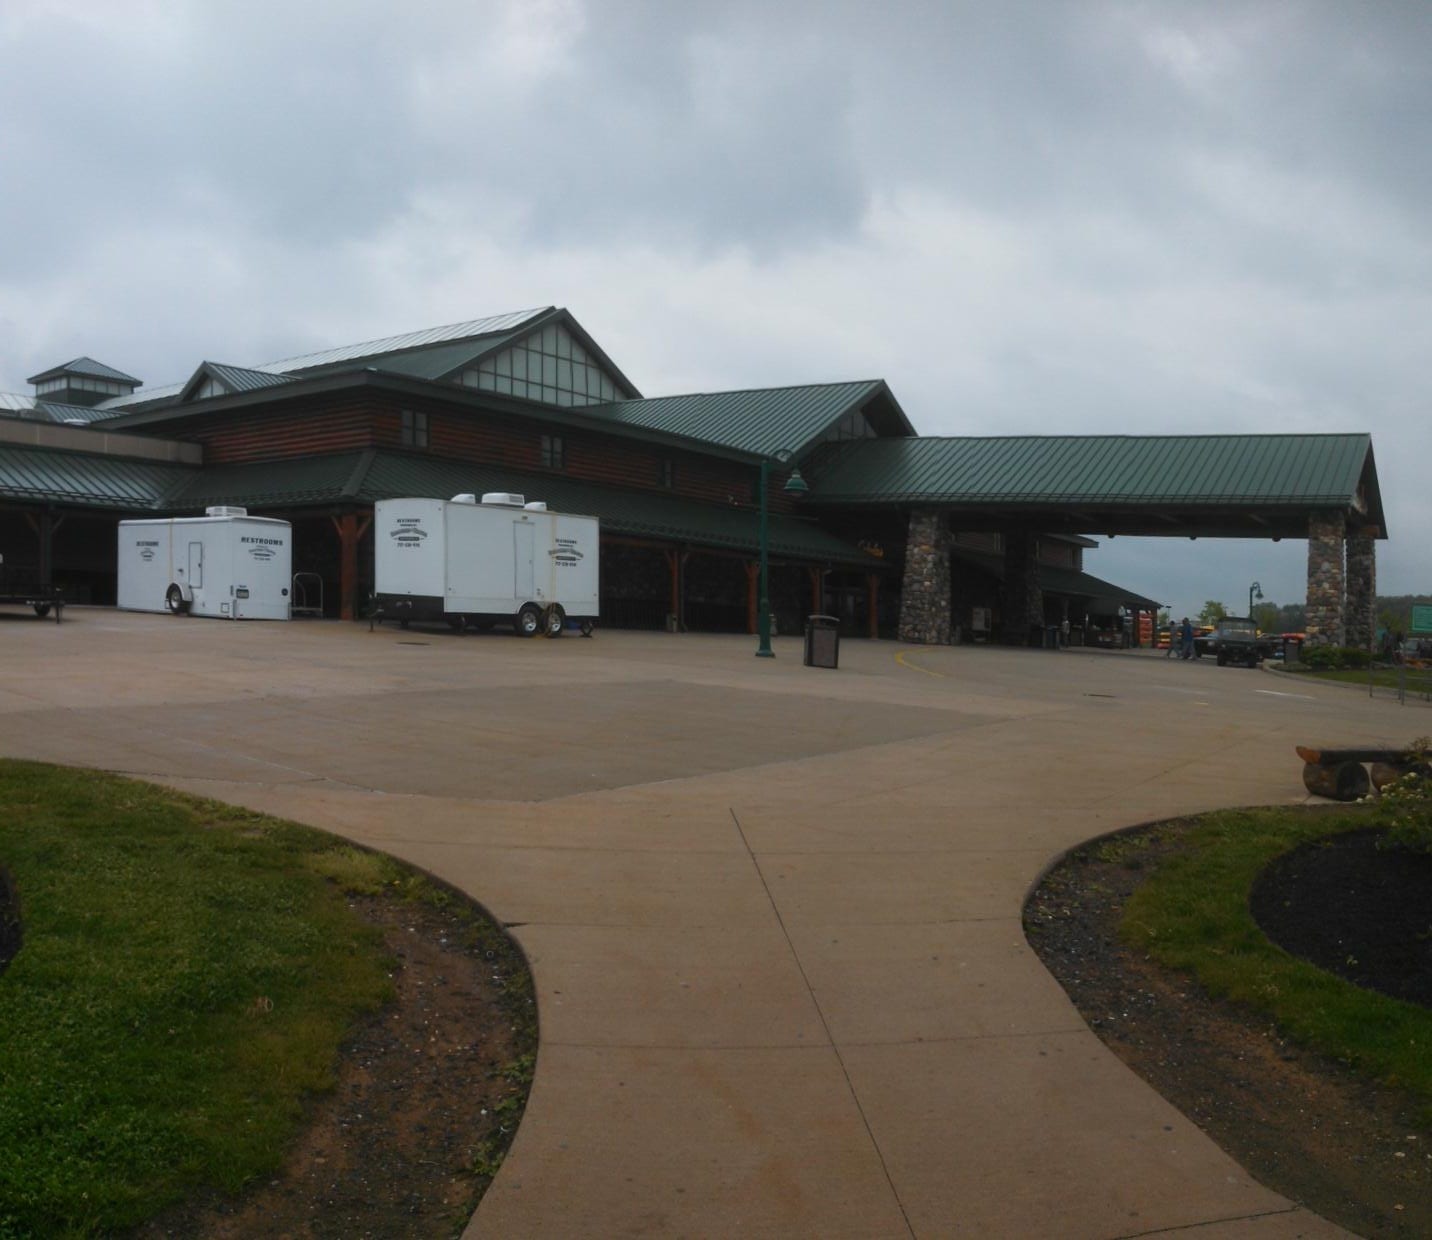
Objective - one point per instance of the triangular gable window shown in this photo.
(210, 387)
(550, 365)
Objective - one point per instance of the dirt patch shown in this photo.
(1305, 1126)
(1355, 909)
(10, 928)
(428, 1095)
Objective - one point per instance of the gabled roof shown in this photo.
(231, 378)
(433, 354)
(1107, 472)
(87, 367)
(762, 421)
(40, 410)
(497, 324)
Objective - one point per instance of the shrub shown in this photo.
(1332, 658)
(1405, 805)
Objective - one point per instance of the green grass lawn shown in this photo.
(1193, 915)
(1416, 680)
(187, 972)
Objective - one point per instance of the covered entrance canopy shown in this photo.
(1320, 487)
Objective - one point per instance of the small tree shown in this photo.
(1213, 611)
(1265, 616)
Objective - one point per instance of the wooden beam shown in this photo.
(348, 536)
(872, 594)
(753, 580)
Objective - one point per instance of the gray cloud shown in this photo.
(1026, 216)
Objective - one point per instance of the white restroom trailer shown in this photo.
(225, 563)
(501, 561)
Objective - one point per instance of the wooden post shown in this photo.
(817, 596)
(872, 594)
(673, 563)
(350, 532)
(753, 580)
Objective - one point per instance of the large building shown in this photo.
(928, 539)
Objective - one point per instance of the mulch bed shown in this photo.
(425, 1092)
(1356, 909)
(1355, 1152)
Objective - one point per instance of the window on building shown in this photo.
(668, 473)
(415, 429)
(554, 452)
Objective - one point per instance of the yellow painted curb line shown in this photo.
(915, 667)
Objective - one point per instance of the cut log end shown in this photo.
(1345, 781)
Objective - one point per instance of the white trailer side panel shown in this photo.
(408, 547)
(574, 555)
(146, 566)
(237, 568)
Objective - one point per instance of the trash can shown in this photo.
(1292, 649)
(822, 641)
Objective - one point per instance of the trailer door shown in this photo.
(196, 566)
(524, 541)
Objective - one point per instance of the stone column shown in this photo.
(1360, 612)
(925, 593)
(1325, 577)
(1023, 599)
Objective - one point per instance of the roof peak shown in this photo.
(408, 340)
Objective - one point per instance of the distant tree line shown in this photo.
(1394, 614)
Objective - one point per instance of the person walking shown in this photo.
(1172, 640)
(1185, 635)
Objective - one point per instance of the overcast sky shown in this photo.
(1046, 217)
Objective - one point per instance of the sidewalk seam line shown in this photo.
(1209, 1222)
(825, 1024)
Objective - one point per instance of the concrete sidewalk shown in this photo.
(773, 913)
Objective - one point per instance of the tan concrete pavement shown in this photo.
(773, 913)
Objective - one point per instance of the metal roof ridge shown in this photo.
(783, 387)
(528, 316)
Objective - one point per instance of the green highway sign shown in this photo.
(1422, 619)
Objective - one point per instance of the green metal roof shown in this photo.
(762, 421)
(48, 476)
(272, 484)
(234, 378)
(87, 367)
(364, 477)
(350, 353)
(1304, 470)
(437, 362)
(634, 513)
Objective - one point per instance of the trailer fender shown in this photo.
(178, 598)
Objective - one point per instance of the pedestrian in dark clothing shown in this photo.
(1185, 634)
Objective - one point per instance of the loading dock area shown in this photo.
(781, 979)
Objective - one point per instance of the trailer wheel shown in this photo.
(555, 620)
(41, 609)
(174, 601)
(528, 622)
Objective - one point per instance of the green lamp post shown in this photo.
(795, 485)
(1255, 588)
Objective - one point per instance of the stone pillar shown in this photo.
(1360, 612)
(925, 593)
(1023, 599)
(1325, 578)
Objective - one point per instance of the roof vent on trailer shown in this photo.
(467, 497)
(225, 510)
(535, 506)
(506, 498)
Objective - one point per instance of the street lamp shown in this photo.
(795, 485)
(1255, 588)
